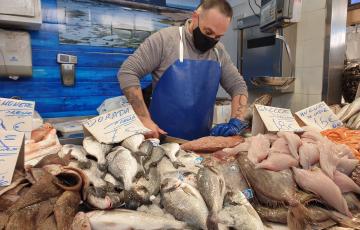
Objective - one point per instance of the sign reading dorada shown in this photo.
(115, 126)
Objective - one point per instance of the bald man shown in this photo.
(188, 64)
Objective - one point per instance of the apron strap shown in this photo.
(217, 55)
(181, 49)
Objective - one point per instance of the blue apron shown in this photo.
(183, 100)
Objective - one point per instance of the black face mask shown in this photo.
(203, 42)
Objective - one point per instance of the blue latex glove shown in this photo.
(234, 127)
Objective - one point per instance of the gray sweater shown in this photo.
(161, 50)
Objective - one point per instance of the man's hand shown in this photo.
(155, 130)
(234, 127)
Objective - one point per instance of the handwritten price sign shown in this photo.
(11, 155)
(319, 116)
(115, 126)
(274, 120)
(16, 115)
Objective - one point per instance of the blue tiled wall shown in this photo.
(95, 72)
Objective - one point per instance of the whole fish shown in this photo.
(184, 202)
(110, 200)
(44, 189)
(78, 152)
(144, 151)
(97, 150)
(65, 209)
(172, 149)
(123, 166)
(143, 189)
(156, 156)
(317, 182)
(276, 189)
(133, 142)
(239, 214)
(121, 219)
(211, 185)
(350, 111)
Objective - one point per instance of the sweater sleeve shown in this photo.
(231, 80)
(142, 62)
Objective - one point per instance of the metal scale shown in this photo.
(262, 42)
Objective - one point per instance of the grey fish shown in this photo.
(97, 150)
(350, 111)
(147, 145)
(123, 166)
(211, 185)
(121, 219)
(276, 189)
(156, 156)
(239, 214)
(144, 151)
(76, 151)
(143, 189)
(172, 149)
(133, 142)
(184, 202)
(110, 200)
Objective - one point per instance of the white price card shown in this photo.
(319, 116)
(11, 155)
(115, 126)
(273, 119)
(17, 116)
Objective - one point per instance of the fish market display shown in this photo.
(270, 168)
(211, 144)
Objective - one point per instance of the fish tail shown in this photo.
(212, 222)
(297, 217)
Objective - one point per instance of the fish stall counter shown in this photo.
(219, 178)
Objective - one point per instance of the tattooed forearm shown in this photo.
(239, 107)
(136, 99)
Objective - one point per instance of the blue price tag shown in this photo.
(248, 193)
